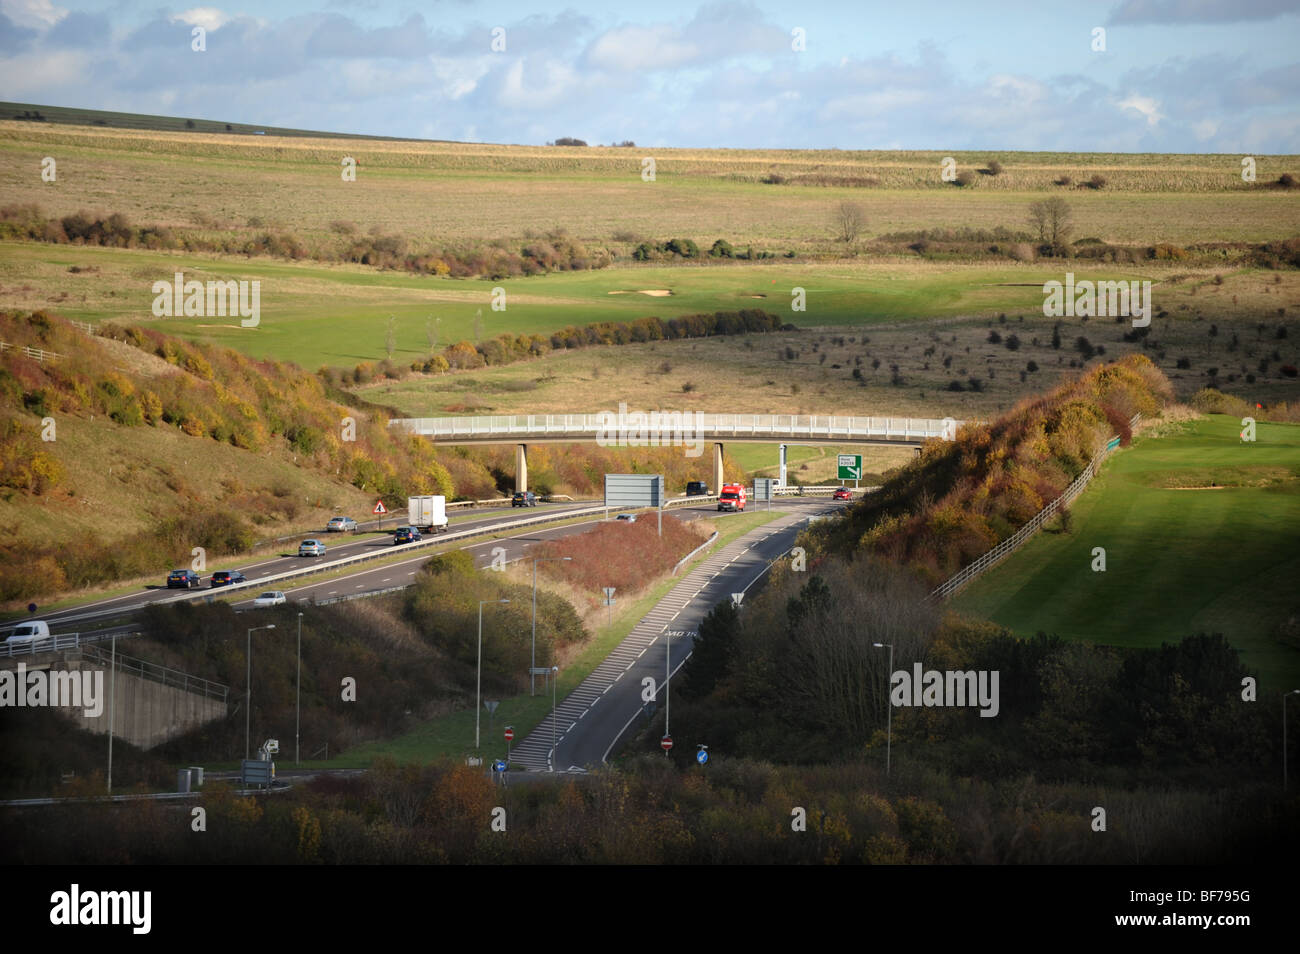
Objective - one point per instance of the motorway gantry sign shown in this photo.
(850, 466)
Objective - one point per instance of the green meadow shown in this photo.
(1199, 530)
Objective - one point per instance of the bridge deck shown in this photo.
(677, 427)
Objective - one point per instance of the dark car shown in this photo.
(183, 580)
(843, 493)
(406, 535)
(524, 498)
(697, 488)
(226, 578)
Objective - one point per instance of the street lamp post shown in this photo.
(532, 677)
(297, 702)
(889, 718)
(478, 691)
(248, 682)
(555, 680)
(1284, 767)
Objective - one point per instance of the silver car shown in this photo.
(311, 548)
(341, 525)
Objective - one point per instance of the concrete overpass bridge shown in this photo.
(691, 430)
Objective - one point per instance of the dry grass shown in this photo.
(754, 375)
(435, 192)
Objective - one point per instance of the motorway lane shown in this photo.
(339, 545)
(516, 548)
(592, 719)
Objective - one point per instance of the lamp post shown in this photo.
(297, 703)
(1284, 774)
(532, 677)
(555, 679)
(478, 691)
(889, 718)
(248, 682)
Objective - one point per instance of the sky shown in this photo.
(1063, 75)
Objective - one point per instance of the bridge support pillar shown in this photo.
(717, 468)
(780, 480)
(521, 468)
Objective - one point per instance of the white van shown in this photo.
(28, 632)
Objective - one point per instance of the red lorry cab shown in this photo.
(731, 497)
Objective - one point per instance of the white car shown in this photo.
(270, 598)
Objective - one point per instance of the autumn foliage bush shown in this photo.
(958, 499)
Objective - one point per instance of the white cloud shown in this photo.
(29, 78)
(642, 48)
(210, 18)
(33, 14)
(1145, 105)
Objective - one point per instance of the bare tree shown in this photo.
(1052, 218)
(850, 219)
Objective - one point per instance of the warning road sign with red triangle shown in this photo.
(379, 507)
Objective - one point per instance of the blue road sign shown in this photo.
(498, 766)
(702, 756)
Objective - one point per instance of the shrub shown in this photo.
(994, 167)
(965, 177)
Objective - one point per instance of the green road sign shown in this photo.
(850, 466)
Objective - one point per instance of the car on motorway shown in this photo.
(406, 535)
(183, 580)
(28, 632)
(312, 548)
(697, 488)
(626, 517)
(226, 578)
(524, 498)
(843, 493)
(341, 525)
(270, 598)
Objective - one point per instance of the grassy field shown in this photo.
(437, 192)
(1200, 532)
(318, 315)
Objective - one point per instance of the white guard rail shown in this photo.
(265, 583)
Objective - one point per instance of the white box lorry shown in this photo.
(428, 512)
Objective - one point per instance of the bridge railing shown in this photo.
(55, 643)
(683, 425)
(159, 674)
